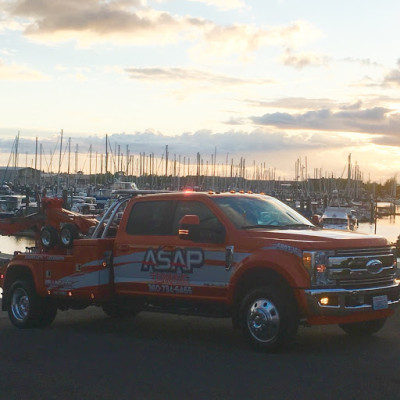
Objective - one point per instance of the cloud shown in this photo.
(352, 106)
(234, 142)
(223, 4)
(387, 140)
(222, 41)
(235, 121)
(133, 22)
(392, 78)
(299, 61)
(293, 103)
(15, 72)
(377, 120)
(91, 21)
(25, 143)
(362, 61)
(161, 74)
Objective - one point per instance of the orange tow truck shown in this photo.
(245, 256)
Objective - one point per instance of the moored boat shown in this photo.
(339, 218)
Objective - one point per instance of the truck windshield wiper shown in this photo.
(261, 226)
(297, 226)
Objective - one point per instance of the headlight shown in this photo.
(317, 264)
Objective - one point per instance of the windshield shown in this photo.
(260, 212)
(335, 221)
(8, 205)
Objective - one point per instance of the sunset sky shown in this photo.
(269, 80)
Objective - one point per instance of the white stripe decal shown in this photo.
(128, 270)
(79, 281)
(286, 248)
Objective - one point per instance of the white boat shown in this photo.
(16, 204)
(84, 205)
(339, 218)
(103, 195)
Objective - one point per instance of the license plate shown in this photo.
(380, 302)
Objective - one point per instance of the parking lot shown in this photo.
(85, 355)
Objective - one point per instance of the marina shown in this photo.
(89, 189)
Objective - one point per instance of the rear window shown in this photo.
(151, 218)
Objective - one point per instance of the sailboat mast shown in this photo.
(59, 161)
(16, 158)
(69, 160)
(106, 160)
(36, 154)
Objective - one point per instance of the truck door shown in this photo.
(201, 260)
(147, 231)
(151, 259)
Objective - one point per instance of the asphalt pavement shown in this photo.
(86, 355)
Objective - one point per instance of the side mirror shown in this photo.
(315, 220)
(189, 227)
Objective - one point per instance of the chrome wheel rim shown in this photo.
(20, 304)
(263, 320)
(66, 237)
(45, 238)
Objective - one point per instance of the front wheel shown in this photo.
(363, 328)
(26, 309)
(268, 317)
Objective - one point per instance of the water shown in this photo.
(9, 244)
(388, 227)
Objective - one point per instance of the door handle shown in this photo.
(124, 247)
(229, 255)
(169, 248)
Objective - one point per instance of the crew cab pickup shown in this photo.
(245, 256)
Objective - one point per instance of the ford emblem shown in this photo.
(374, 266)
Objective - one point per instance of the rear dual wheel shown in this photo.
(49, 236)
(68, 233)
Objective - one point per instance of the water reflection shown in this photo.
(9, 244)
(388, 227)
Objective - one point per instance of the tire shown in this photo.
(48, 236)
(26, 309)
(269, 319)
(364, 328)
(68, 233)
(113, 310)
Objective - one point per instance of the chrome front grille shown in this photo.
(359, 268)
(367, 282)
(375, 251)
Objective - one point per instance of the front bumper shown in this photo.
(342, 302)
